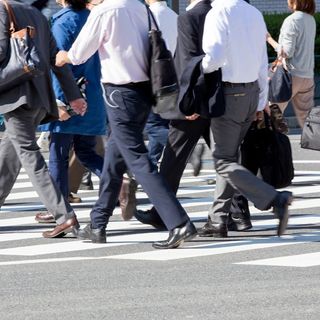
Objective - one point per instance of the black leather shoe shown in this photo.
(280, 209)
(148, 217)
(216, 230)
(239, 224)
(177, 236)
(95, 235)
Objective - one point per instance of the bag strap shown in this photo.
(12, 18)
(151, 16)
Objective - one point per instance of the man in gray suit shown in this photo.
(24, 107)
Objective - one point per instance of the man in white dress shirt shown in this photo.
(234, 40)
(118, 29)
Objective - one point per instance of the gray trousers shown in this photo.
(228, 132)
(18, 147)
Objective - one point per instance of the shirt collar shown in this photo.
(158, 4)
(60, 13)
(192, 4)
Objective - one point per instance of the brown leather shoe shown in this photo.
(71, 225)
(45, 217)
(127, 198)
(74, 199)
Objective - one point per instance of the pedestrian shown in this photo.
(74, 131)
(296, 45)
(184, 132)
(118, 29)
(227, 30)
(24, 107)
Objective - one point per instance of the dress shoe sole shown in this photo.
(284, 220)
(45, 221)
(60, 234)
(177, 244)
(213, 235)
(239, 227)
(92, 240)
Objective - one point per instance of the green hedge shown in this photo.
(274, 22)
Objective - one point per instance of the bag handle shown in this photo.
(151, 16)
(12, 18)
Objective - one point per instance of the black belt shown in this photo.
(130, 85)
(244, 84)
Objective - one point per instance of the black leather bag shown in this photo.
(270, 150)
(310, 137)
(163, 75)
(280, 84)
(23, 60)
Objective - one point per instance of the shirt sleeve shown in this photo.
(215, 40)
(90, 38)
(288, 37)
(263, 81)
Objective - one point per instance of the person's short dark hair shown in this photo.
(40, 4)
(77, 4)
(307, 6)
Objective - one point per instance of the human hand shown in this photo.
(193, 117)
(63, 113)
(79, 106)
(62, 58)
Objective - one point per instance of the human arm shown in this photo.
(215, 40)
(288, 38)
(90, 38)
(66, 80)
(263, 81)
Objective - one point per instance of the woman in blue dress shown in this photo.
(75, 131)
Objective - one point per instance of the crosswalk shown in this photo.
(21, 241)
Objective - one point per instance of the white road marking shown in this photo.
(300, 260)
(72, 246)
(218, 248)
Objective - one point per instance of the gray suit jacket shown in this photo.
(37, 92)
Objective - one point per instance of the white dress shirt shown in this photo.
(234, 39)
(118, 29)
(167, 22)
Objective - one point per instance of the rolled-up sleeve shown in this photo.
(90, 38)
(215, 40)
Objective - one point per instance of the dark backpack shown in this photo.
(163, 77)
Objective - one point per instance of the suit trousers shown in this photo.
(84, 148)
(77, 170)
(241, 102)
(19, 147)
(128, 107)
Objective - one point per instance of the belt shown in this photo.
(130, 85)
(244, 84)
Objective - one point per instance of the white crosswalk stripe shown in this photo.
(22, 236)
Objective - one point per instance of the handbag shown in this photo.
(280, 83)
(269, 151)
(22, 61)
(310, 137)
(163, 77)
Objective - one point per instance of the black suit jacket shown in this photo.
(189, 44)
(190, 31)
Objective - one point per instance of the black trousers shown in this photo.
(128, 108)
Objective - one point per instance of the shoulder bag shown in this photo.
(280, 84)
(23, 59)
(163, 77)
(310, 137)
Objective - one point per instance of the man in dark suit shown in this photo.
(184, 132)
(24, 107)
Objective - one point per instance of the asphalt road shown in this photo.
(249, 275)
